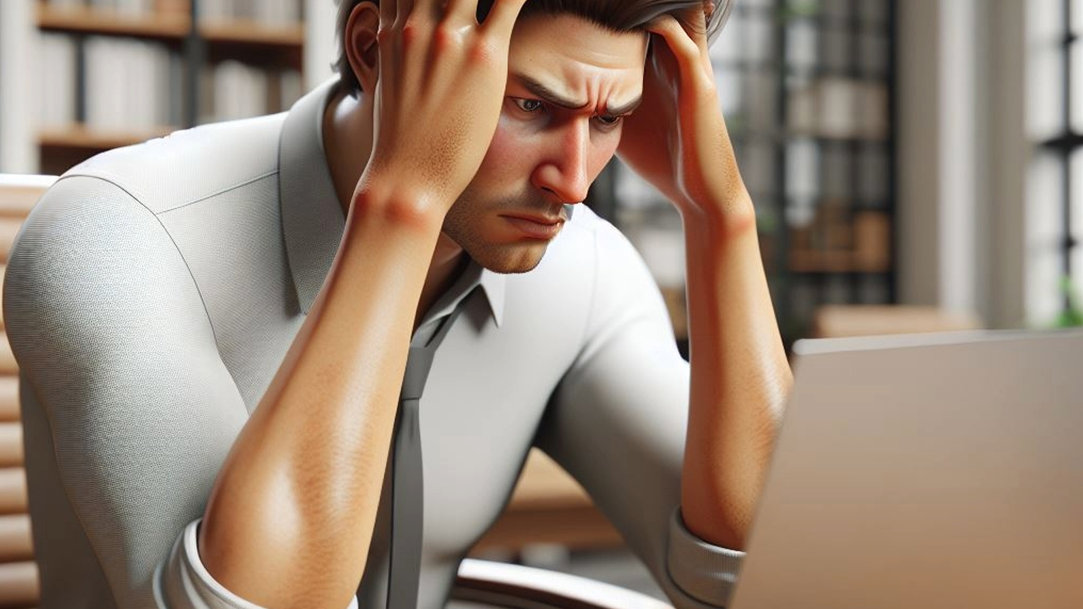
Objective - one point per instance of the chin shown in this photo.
(508, 259)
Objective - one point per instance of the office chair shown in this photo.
(484, 584)
(18, 571)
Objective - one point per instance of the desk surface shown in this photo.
(549, 506)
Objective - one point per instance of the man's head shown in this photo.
(575, 70)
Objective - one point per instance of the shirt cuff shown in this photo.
(184, 582)
(703, 571)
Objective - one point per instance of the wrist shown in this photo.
(386, 202)
(721, 217)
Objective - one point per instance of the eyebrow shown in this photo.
(548, 95)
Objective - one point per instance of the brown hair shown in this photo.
(615, 15)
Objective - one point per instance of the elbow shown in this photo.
(271, 543)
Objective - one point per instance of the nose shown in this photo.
(565, 172)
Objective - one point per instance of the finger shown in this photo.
(699, 30)
(685, 50)
(501, 19)
(403, 9)
(430, 8)
(462, 11)
(387, 12)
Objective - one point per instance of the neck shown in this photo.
(347, 137)
(448, 262)
(347, 140)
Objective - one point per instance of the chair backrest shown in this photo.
(19, 585)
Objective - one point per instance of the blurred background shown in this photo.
(911, 162)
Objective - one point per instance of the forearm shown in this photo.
(291, 515)
(740, 375)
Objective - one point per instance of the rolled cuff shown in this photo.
(703, 571)
(183, 582)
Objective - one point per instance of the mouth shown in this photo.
(536, 227)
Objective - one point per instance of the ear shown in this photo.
(359, 37)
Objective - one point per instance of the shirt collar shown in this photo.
(312, 219)
(473, 277)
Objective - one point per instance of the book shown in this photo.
(55, 80)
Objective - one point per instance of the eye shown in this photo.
(606, 122)
(530, 106)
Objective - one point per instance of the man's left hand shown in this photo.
(677, 139)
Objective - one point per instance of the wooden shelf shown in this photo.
(167, 26)
(249, 32)
(818, 261)
(82, 138)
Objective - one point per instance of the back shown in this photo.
(939, 471)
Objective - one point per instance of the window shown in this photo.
(1055, 185)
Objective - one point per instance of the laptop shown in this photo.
(925, 471)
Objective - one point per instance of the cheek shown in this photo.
(508, 157)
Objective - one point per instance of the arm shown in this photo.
(740, 376)
(618, 421)
(292, 512)
(740, 379)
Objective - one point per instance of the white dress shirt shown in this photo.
(154, 291)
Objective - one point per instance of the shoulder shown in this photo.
(85, 243)
(189, 165)
(102, 220)
(93, 277)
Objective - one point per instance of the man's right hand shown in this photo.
(437, 100)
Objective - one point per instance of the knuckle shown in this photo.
(385, 35)
(414, 30)
(444, 37)
(484, 50)
(410, 34)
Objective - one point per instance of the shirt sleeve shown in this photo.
(138, 410)
(704, 571)
(617, 423)
(184, 582)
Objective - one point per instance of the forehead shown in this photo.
(571, 54)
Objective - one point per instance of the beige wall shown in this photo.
(962, 154)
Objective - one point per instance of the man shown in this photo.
(310, 263)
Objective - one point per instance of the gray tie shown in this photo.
(407, 474)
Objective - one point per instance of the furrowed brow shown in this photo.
(546, 94)
(549, 96)
(625, 109)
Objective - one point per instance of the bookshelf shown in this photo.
(807, 88)
(834, 238)
(124, 71)
(169, 26)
